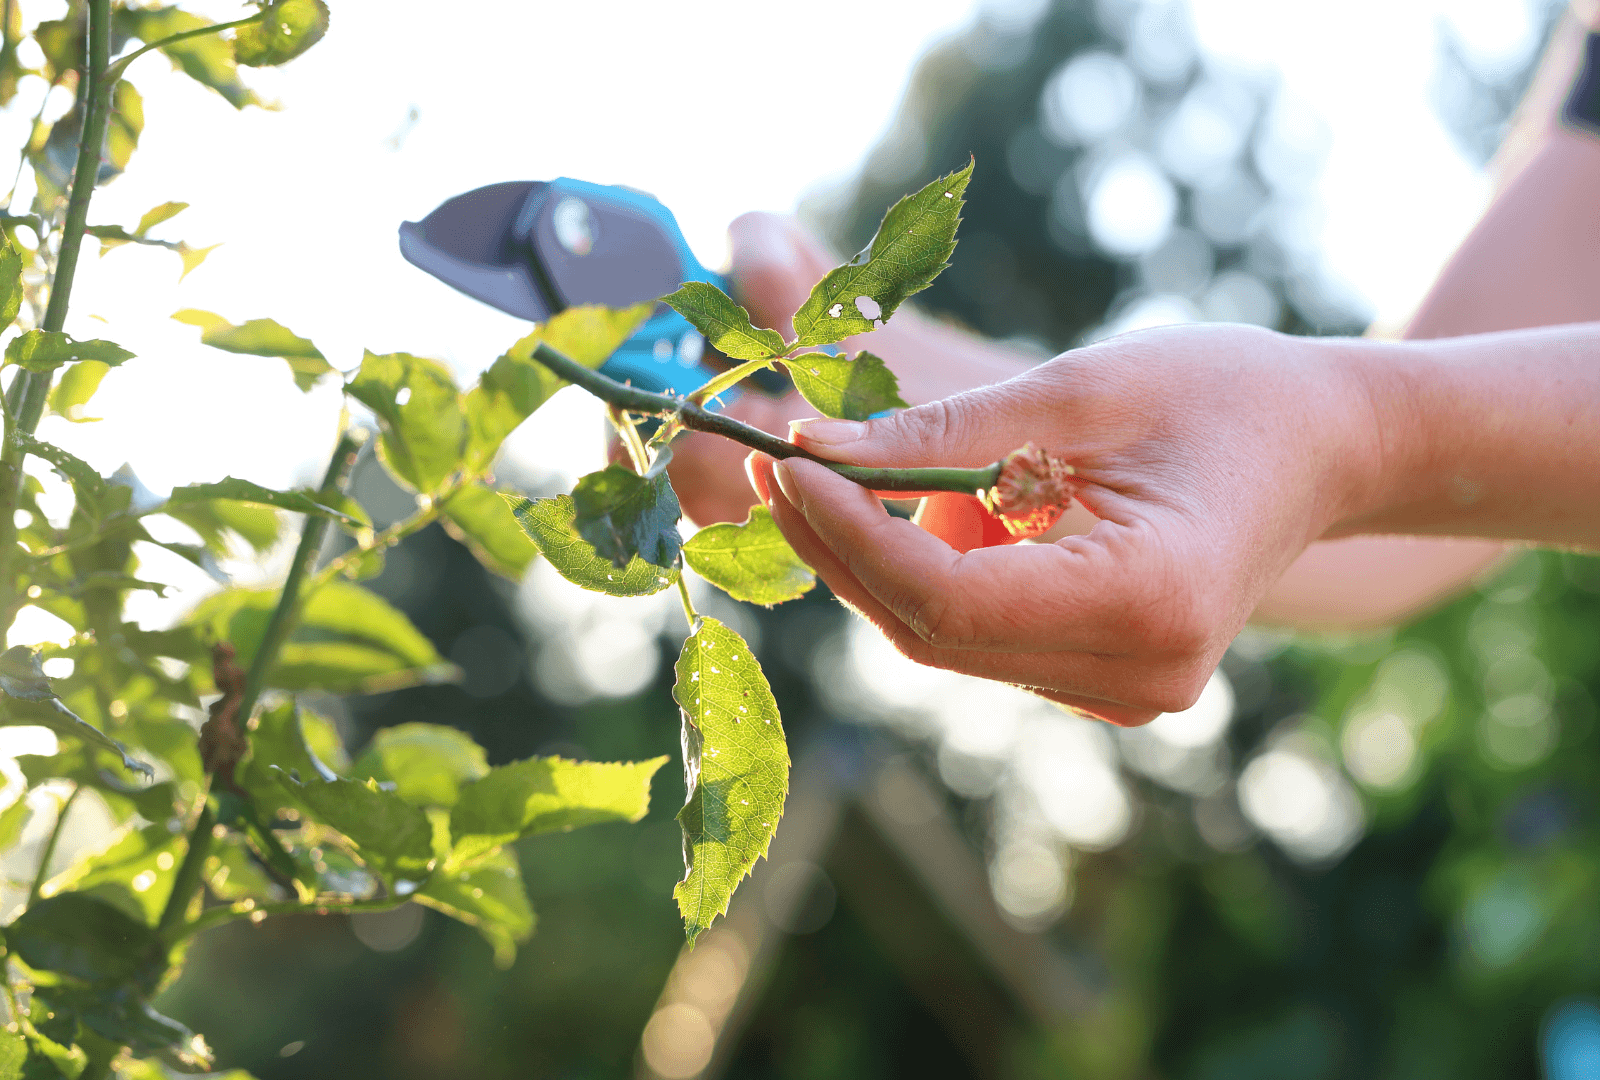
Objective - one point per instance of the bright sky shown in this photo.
(711, 105)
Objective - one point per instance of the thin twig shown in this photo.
(43, 873)
(697, 418)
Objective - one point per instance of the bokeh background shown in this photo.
(1367, 856)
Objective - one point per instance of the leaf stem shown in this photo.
(688, 605)
(697, 418)
(630, 439)
(227, 913)
(109, 78)
(26, 397)
(43, 873)
(726, 379)
(289, 601)
(187, 881)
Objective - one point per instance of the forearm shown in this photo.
(1494, 436)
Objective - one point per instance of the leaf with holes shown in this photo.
(549, 524)
(843, 388)
(750, 562)
(424, 428)
(46, 350)
(625, 515)
(546, 794)
(913, 244)
(735, 767)
(724, 323)
(258, 337)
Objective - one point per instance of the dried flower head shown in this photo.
(1034, 490)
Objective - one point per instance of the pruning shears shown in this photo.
(534, 248)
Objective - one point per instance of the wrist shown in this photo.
(1381, 440)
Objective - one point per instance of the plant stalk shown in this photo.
(187, 882)
(216, 916)
(697, 418)
(305, 556)
(26, 398)
(42, 875)
(115, 72)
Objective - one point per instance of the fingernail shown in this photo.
(786, 482)
(828, 432)
(756, 480)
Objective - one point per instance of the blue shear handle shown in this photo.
(665, 353)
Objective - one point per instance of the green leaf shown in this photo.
(193, 257)
(913, 244)
(10, 281)
(236, 490)
(751, 562)
(124, 126)
(13, 1055)
(122, 1016)
(278, 744)
(90, 487)
(134, 872)
(724, 323)
(545, 794)
(549, 524)
(157, 214)
(625, 515)
(34, 701)
(46, 350)
(392, 837)
(289, 28)
(515, 386)
(207, 59)
(78, 384)
(258, 337)
(736, 769)
(478, 517)
(424, 428)
(426, 763)
(89, 939)
(348, 639)
(843, 388)
(257, 525)
(490, 897)
(13, 820)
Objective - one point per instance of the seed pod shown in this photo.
(1034, 489)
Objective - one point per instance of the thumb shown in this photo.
(775, 263)
(969, 429)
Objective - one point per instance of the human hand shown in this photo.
(1212, 456)
(775, 264)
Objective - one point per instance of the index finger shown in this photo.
(1083, 594)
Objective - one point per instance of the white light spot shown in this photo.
(868, 307)
(1302, 803)
(403, 396)
(144, 880)
(836, 310)
(948, 195)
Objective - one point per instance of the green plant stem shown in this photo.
(387, 538)
(697, 418)
(233, 912)
(723, 380)
(187, 880)
(42, 875)
(26, 397)
(688, 605)
(630, 439)
(289, 601)
(115, 71)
